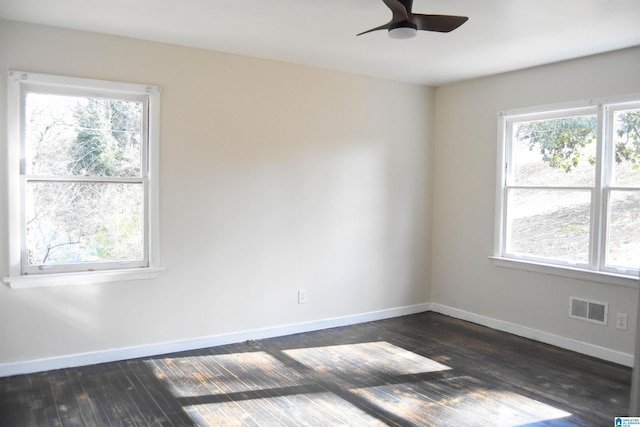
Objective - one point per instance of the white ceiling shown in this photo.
(501, 35)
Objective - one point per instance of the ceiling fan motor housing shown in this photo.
(402, 30)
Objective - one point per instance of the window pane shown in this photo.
(80, 136)
(626, 139)
(623, 247)
(558, 152)
(71, 222)
(550, 224)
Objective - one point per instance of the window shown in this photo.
(569, 188)
(83, 172)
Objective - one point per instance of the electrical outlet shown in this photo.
(621, 321)
(302, 296)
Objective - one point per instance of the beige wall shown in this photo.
(464, 192)
(274, 178)
(277, 177)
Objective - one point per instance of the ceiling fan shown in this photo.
(405, 24)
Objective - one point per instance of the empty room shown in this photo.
(337, 212)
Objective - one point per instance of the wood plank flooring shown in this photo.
(421, 370)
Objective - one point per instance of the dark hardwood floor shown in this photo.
(424, 369)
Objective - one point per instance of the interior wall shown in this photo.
(273, 178)
(464, 278)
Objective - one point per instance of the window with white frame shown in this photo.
(83, 172)
(569, 187)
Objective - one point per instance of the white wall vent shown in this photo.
(591, 311)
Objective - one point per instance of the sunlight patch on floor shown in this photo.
(459, 401)
(313, 409)
(367, 381)
(223, 374)
(364, 360)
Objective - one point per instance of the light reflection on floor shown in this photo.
(354, 384)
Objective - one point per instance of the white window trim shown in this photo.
(563, 271)
(607, 276)
(18, 80)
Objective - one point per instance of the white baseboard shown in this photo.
(536, 335)
(112, 355)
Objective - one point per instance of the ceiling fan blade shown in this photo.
(401, 9)
(440, 23)
(381, 27)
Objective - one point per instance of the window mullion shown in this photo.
(598, 199)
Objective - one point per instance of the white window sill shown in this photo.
(81, 278)
(568, 272)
